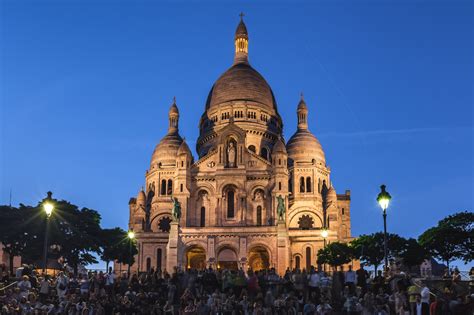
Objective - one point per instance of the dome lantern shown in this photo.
(173, 116)
(302, 113)
(241, 42)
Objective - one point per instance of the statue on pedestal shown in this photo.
(176, 212)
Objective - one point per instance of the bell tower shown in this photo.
(241, 42)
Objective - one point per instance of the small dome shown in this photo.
(302, 104)
(141, 198)
(331, 195)
(167, 150)
(184, 149)
(279, 147)
(303, 146)
(174, 109)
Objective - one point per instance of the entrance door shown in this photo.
(227, 259)
(259, 258)
(196, 258)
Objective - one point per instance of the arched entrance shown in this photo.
(196, 258)
(259, 258)
(227, 259)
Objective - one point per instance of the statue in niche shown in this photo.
(259, 195)
(281, 208)
(176, 212)
(231, 154)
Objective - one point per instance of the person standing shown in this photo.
(61, 285)
(350, 279)
(425, 300)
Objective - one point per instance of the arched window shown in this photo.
(259, 216)
(302, 184)
(163, 187)
(203, 216)
(230, 204)
(252, 148)
(170, 187)
(148, 264)
(308, 184)
(264, 153)
(308, 258)
(279, 185)
(297, 262)
(290, 185)
(181, 188)
(279, 161)
(159, 255)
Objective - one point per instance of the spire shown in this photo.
(241, 42)
(173, 116)
(302, 114)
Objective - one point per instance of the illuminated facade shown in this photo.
(229, 195)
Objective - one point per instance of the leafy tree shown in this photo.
(16, 232)
(115, 246)
(412, 253)
(451, 239)
(335, 254)
(370, 248)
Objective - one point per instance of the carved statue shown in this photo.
(176, 213)
(231, 154)
(281, 208)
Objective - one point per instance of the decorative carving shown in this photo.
(211, 164)
(231, 154)
(164, 224)
(306, 222)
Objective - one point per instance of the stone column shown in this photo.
(283, 248)
(172, 248)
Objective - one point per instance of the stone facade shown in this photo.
(249, 200)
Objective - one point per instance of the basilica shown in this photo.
(249, 199)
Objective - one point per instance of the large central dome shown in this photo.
(241, 82)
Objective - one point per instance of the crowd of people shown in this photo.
(227, 292)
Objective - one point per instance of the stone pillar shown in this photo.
(283, 248)
(211, 253)
(243, 259)
(172, 248)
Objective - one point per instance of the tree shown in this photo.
(451, 239)
(116, 246)
(335, 254)
(16, 231)
(370, 248)
(413, 254)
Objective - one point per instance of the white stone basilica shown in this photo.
(249, 200)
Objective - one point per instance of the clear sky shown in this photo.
(86, 86)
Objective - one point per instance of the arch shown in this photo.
(290, 185)
(259, 258)
(264, 153)
(302, 186)
(308, 257)
(163, 187)
(295, 214)
(227, 258)
(308, 184)
(259, 215)
(195, 257)
(297, 262)
(203, 217)
(169, 190)
(252, 149)
(159, 259)
(148, 264)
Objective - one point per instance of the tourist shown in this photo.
(24, 286)
(350, 279)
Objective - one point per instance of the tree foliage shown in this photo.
(370, 248)
(116, 246)
(335, 254)
(451, 239)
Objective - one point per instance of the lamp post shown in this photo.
(48, 208)
(384, 199)
(131, 236)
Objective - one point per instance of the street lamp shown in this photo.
(48, 208)
(131, 236)
(384, 199)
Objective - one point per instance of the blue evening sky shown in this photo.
(86, 86)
